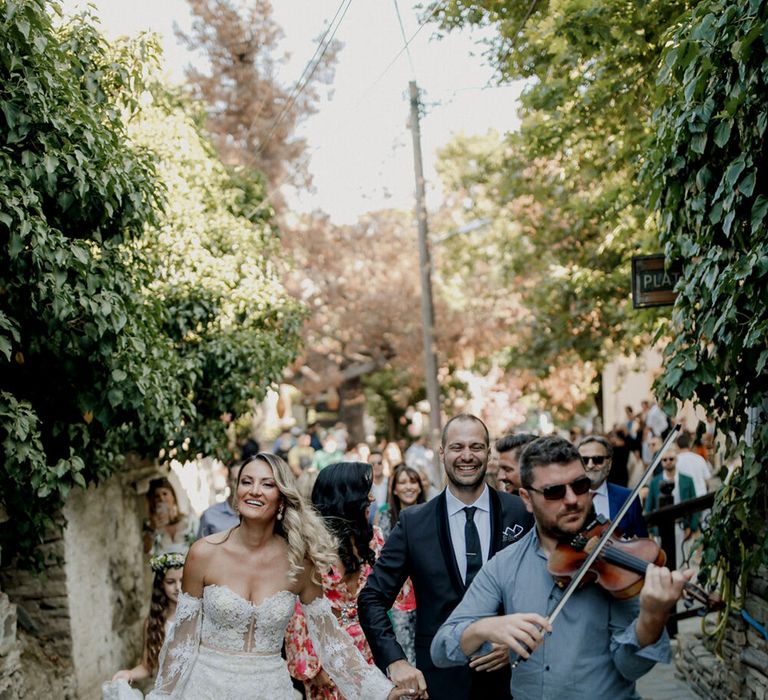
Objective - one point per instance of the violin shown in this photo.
(620, 567)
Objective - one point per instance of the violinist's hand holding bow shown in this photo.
(661, 590)
(521, 632)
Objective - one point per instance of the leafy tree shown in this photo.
(109, 342)
(361, 285)
(709, 176)
(74, 193)
(250, 115)
(213, 259)
(489, 262)
(569, 177)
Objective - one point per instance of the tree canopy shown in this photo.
(137, 301)
(563, 192)
(251, 114)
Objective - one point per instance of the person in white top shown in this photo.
(656, 419)
(693, 465)
(380, 485)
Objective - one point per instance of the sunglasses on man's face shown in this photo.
(598, 460)
(668, 459)
(556, 492)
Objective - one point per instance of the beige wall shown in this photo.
(85, 618)
(629, 380)
(626, 382)
(106, 587)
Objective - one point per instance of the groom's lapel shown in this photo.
(446, 546)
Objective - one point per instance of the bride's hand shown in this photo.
(124, 675)
(406, 693)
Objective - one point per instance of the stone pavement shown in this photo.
(661, 683)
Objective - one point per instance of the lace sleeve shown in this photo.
(340, 658)
(179, 650)
(299, 652)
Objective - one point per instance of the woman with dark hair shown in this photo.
(406, 489)
(342, 496)
(167, 527)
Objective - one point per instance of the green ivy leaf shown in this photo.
(723, 132)
(699, 143)
(734, 171)
(759, 210)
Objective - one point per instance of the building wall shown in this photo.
(629, 380)
(107, 592)
(43, 639)
(82, 619)
(10, 651)
(626, 382)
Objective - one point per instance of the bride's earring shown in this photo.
(236, 508)
(280, 512)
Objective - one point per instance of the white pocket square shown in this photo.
(510, 534)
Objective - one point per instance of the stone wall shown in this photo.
(107, 593)
(742, 672)
(82, 620)
(43, 641)
(10, 652)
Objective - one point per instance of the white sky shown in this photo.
(361, 155)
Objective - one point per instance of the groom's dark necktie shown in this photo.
(472, 545)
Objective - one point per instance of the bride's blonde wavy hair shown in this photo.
(304, 530)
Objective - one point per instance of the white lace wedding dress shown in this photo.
(223, 647)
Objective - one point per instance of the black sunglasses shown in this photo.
(557, 491)
(668, 459)
(597, 459)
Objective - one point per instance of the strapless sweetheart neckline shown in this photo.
(246, 600)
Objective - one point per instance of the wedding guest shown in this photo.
(166, 586)
(342, 496)
(407, 490)
(167, 527)
(221, 516)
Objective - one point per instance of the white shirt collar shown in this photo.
(454, 505)
(602, 489)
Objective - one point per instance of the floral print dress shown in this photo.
(303, 663)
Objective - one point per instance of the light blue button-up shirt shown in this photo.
(593, 650)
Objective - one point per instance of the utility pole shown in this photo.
(427, 308)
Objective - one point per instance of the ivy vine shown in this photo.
(709, 169)
(138, 296)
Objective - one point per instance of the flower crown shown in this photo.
(160, 563)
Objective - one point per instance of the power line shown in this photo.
(405, 41)
(400, 52)
(308, 72)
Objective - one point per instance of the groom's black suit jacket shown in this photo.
(420, 547)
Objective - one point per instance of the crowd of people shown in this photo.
(336, 571)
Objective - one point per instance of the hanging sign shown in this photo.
(653, 282)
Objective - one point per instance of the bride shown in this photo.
(238, 594)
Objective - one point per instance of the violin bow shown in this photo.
(605, 537)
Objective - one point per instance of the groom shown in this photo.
(441, 545)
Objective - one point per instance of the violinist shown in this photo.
(600, 645)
